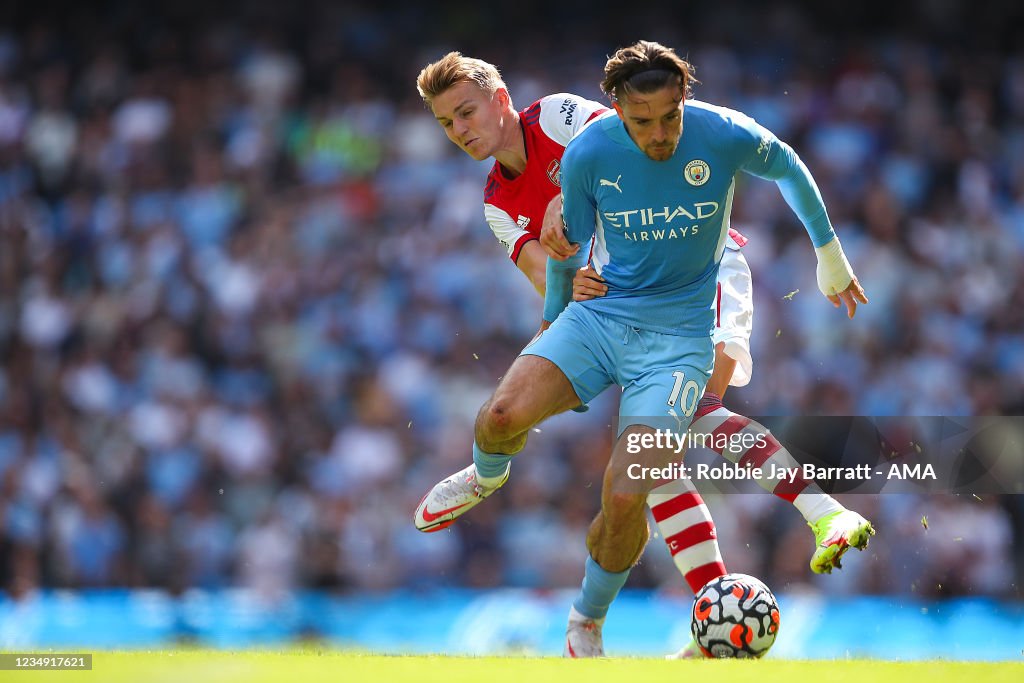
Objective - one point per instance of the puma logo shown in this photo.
(608, 183)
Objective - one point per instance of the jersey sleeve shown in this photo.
(579, 205)
(579, 210)
(562, 115)
(736, 240)
(765, 156)
(508, 232)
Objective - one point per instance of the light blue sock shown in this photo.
(489, 465)
(599, 590)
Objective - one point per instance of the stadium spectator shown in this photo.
(227, 242)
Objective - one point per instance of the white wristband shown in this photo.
(834, 271)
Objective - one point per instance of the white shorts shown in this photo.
(735, 314)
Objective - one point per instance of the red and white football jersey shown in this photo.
(514, 207)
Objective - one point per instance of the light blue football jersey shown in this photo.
(660, 227)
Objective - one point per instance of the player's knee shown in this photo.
(497, 421)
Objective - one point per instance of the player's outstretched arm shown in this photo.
(780, 163)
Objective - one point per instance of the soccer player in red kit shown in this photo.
(471, 102)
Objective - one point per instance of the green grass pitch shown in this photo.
(314, 666)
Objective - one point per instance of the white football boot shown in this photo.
(451, 498)
(690, 651)
(583, 636)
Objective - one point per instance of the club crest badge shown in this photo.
(555, 172)
(697, 172)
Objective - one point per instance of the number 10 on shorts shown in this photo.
(688, 390)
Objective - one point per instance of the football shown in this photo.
(735, 615)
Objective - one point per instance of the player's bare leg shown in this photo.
(619, 532)
(532, 390)
(616, 540)
(679, 511)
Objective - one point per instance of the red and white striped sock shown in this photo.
(714, 418)
(689, 532)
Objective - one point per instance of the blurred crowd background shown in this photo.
(249, 304)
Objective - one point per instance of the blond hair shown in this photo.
(453, 68)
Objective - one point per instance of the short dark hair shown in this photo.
(644, 67)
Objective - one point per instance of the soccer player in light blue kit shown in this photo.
(652, 186)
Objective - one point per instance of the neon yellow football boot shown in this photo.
(834, 534)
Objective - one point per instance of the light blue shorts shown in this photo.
(662, 375)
